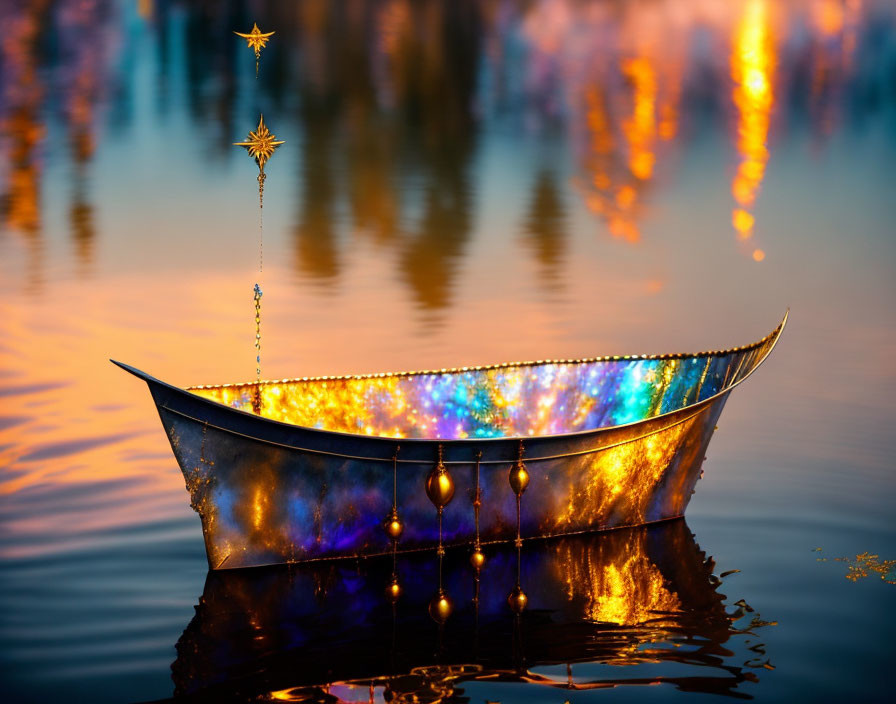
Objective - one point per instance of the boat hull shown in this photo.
(264, 500)
(271, 492)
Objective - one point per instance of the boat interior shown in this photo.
(509, 400)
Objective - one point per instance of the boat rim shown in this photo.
(500, 365)
(774, 335)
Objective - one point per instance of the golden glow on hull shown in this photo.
(622, 480)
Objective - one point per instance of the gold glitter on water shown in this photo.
(864, 565)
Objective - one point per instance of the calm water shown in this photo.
(461, 183)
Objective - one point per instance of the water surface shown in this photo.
(462, 183)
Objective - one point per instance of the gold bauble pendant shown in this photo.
(440, 486)
(477, 559)
(393, 591)
(440, 607)
(393, 525)
(517, 600)
(518, 478)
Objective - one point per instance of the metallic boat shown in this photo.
(302, 469)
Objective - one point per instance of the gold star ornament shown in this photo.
(260, 144)
(257, 40)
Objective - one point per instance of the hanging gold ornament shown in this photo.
(439, 484)
(440, 607)
(393, 591)
(257, 40)
(477, 559)
(440, 490)
(517, 600)
(260, 143)
(393, 525)
(519, 480)
(519, 475)
(394, 528)
(258, 293)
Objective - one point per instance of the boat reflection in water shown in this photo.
(327, 631)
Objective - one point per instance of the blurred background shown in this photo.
(461, 183)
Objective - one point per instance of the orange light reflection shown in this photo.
(752, 71)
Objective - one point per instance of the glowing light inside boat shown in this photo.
(540, 399)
